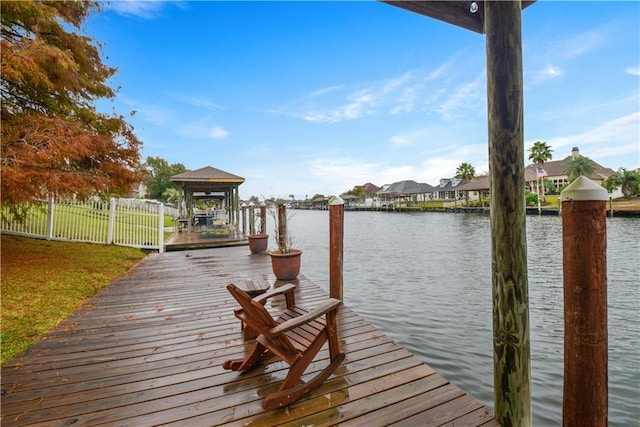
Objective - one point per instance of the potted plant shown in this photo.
(258, 242)
(285, 261)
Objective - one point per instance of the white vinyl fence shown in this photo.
(125, 222)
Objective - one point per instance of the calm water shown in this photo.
(425, 280)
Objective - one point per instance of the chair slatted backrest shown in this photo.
(258, 318)
(254, 318)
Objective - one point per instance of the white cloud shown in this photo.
(203, 129)
(218, 132)
(325, 90)
(467, 98)
(359, 103)
(141, 9)
(582, 44)
(548, 73)
(154, 114)
(615, 137)
(634, 71)
(340, 103)
(396, 95)
(342, 171)
(199, 102)
(409, 138)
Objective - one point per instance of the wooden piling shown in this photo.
(511, 344)
(252, 218)
(243, 208)
(336, 246)
(263, 218)
(282, 226)
(584, 250)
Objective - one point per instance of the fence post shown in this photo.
(50, 219)
(584, 263)
(112, 220)
(336, 246)
(161, 228)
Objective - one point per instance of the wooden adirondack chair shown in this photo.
(295, 337)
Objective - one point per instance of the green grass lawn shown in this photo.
(43, 282)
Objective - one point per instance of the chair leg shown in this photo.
(287, 396)
(248, 362)
(290, 390)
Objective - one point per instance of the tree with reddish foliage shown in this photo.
(54, 142)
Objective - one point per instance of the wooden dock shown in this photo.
(149, 349)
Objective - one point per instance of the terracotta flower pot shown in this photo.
(258, 243)
(286, 266)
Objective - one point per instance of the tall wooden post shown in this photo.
(584, 263)
(511, 345)
(336, 246)
(252, 218)
(263, 218)
(282, 226)
(243, 208)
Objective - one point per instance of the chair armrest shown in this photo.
(323, 308)
(289, 287)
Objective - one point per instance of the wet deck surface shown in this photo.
(194, 239)
(149, 349)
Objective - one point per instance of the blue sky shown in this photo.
(316, 97)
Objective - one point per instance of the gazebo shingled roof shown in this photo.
(207, 179)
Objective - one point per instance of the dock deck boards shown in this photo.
(149, 348)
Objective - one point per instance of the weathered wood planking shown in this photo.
(149, 348)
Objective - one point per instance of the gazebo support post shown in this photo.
(236, 202)
(511, 345)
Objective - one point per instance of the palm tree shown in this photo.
(539, 153)
(627, 180)
(466, 172)
(580, 165)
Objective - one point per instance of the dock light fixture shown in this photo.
(473, 7)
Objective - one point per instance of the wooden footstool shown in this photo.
(255, 287)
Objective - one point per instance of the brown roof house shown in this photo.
(405, 193)
(555, 171)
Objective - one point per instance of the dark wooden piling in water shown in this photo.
(511, 344)
(243, 210)
(282, 226)
(252, 218)
(336, 246)
(263, 218)
(584, 250)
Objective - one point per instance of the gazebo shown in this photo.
(209, 182)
